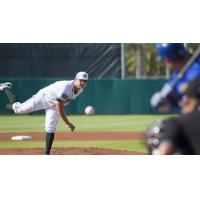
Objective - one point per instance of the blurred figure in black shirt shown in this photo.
(179, 135)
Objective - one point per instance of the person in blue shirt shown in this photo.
(174, 56)
(178, 134)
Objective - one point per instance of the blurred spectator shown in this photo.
(175, 56)
(179, 135)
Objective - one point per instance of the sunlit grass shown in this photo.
(96, 123)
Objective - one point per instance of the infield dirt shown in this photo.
(73, 150)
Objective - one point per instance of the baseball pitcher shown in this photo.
(52, 99)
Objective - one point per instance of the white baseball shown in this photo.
(89, 110)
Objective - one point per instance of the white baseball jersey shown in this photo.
(58, 91)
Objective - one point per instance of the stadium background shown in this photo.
(33, 66)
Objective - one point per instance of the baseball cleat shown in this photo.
(5, 85)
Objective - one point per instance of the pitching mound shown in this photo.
(66, 151)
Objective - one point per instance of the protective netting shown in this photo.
(59, 60)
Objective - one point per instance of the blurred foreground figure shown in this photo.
(175, 56)
(179, 135)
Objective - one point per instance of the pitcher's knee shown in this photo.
(50, 129)
(16, 108)
(23, 108)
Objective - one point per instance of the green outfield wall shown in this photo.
(108, 96)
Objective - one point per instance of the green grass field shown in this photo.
(97, 123)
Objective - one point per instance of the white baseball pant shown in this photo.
(36, 103)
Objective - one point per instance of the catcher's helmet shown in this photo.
(153, 135)
(172, 51)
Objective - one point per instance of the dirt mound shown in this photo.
(66, 151)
